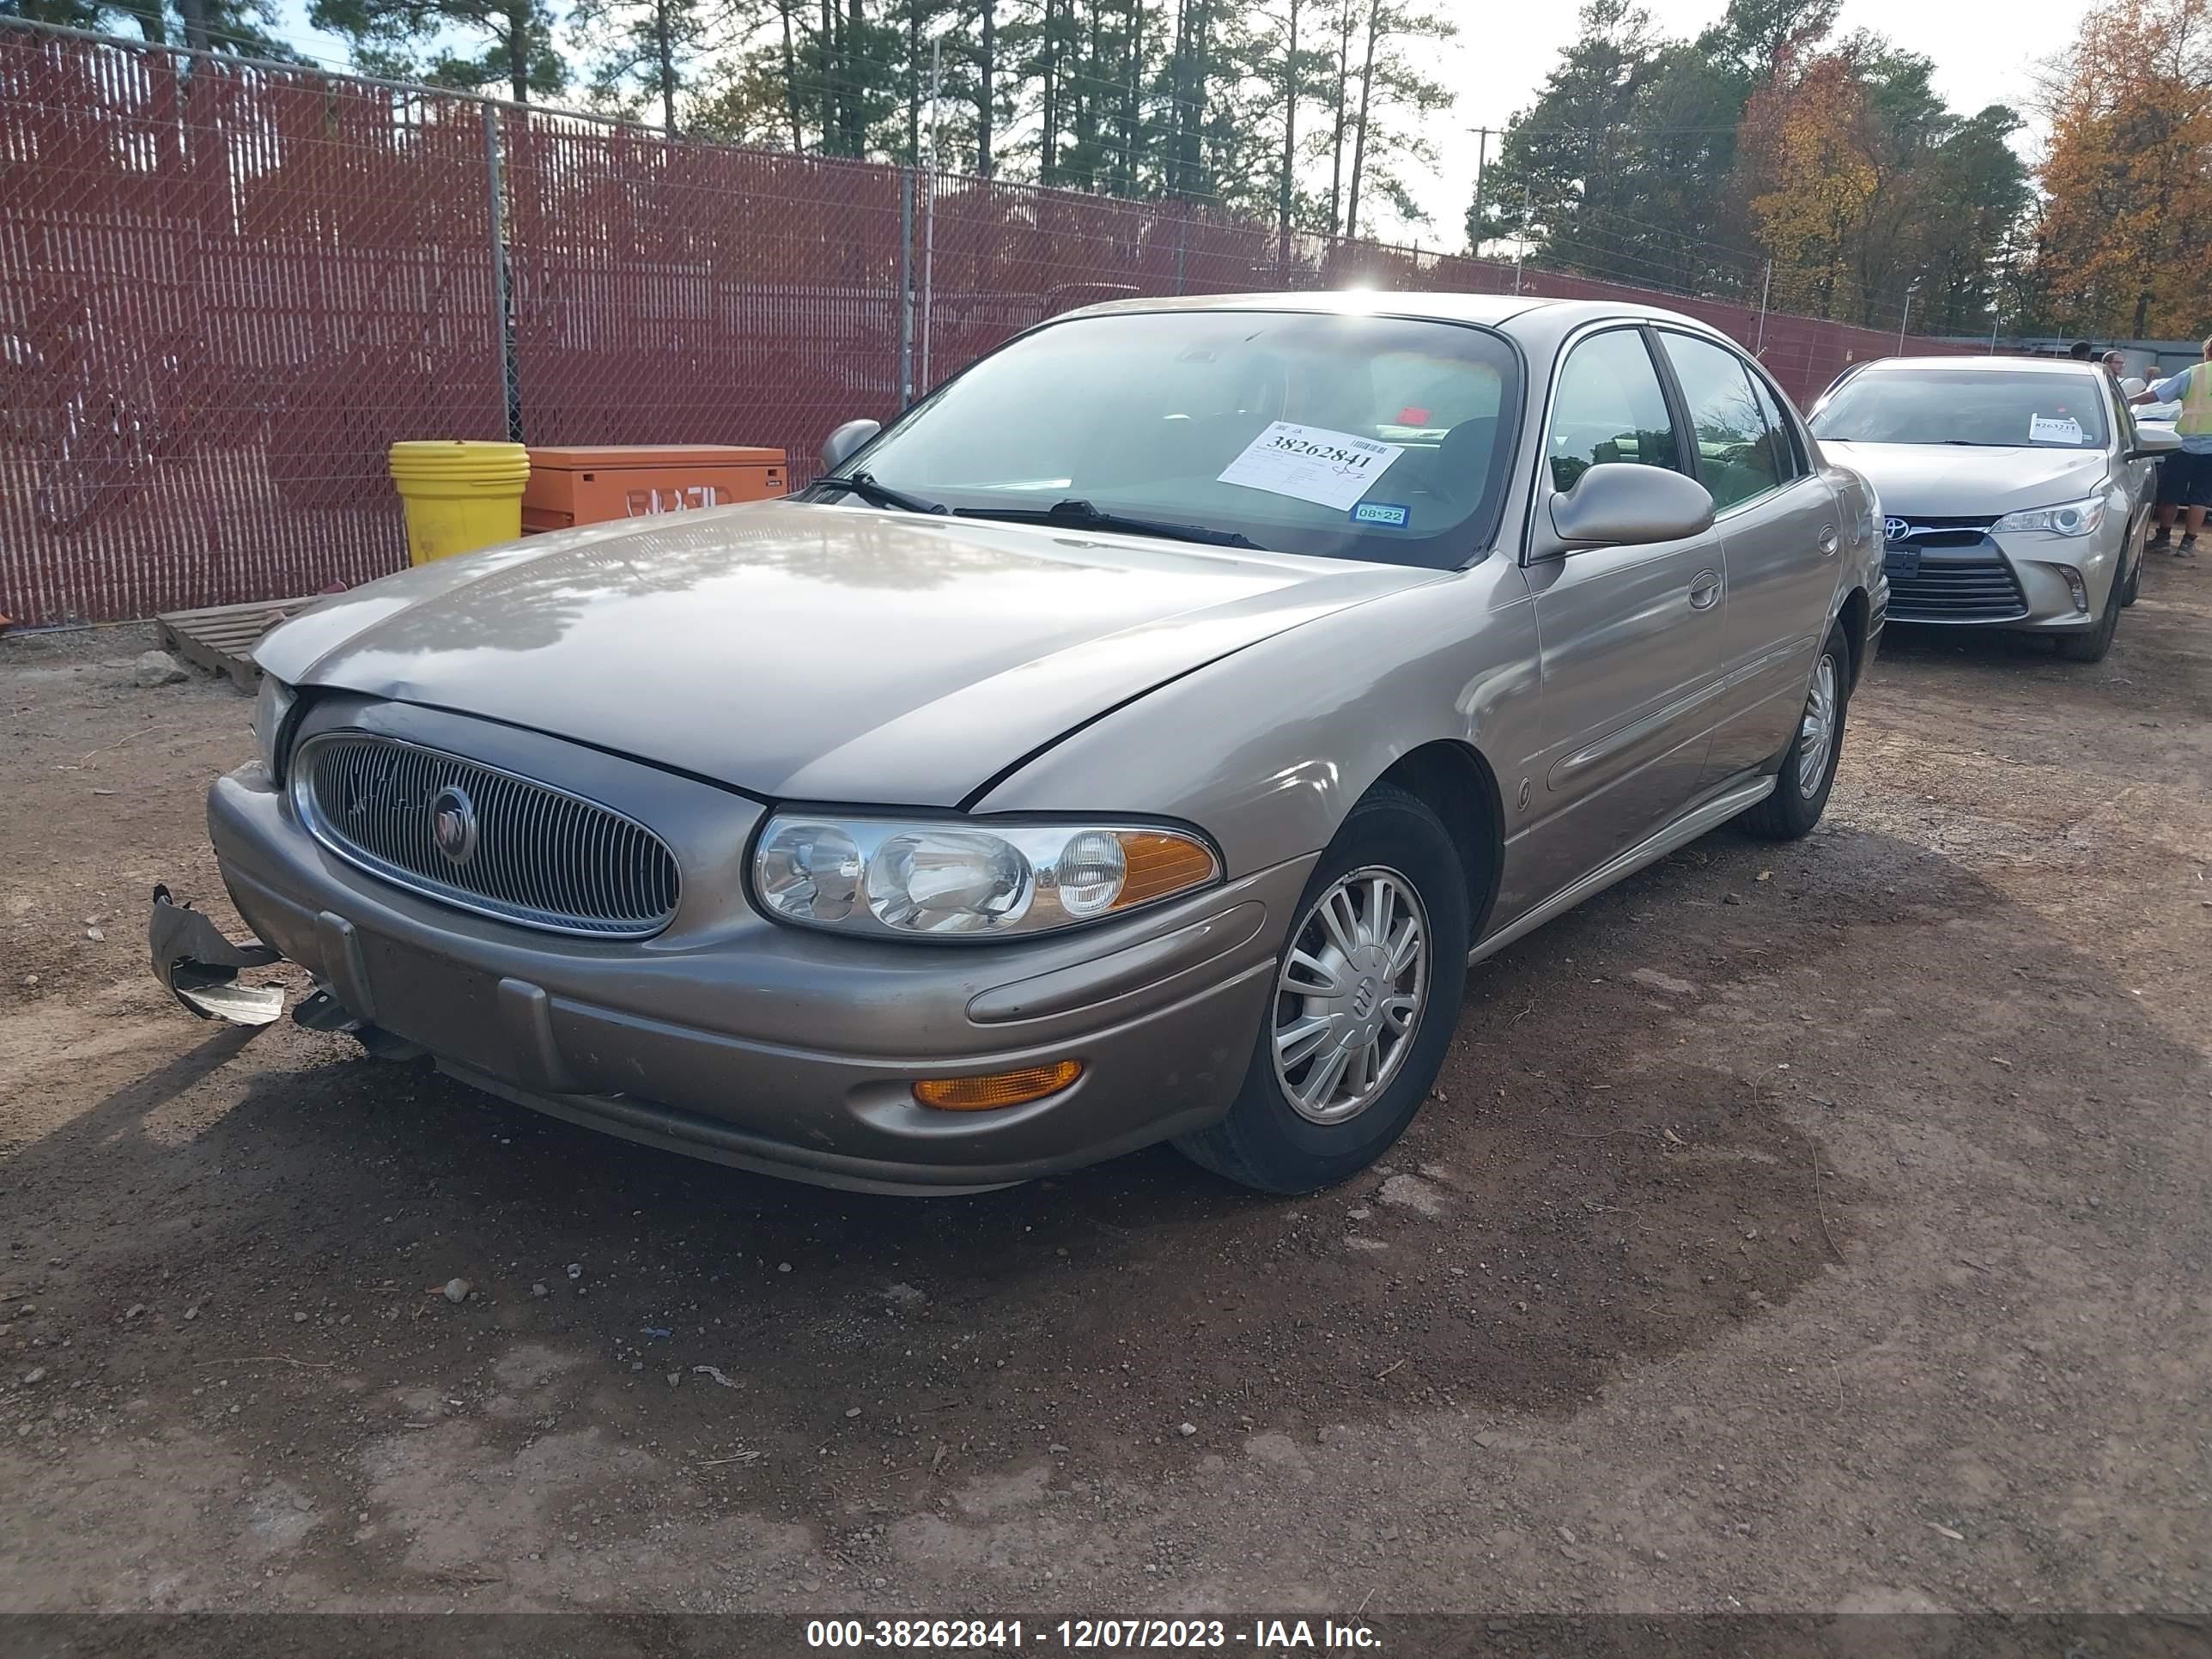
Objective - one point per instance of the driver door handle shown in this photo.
(1706, 590)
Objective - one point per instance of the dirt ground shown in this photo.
(1820, 1227)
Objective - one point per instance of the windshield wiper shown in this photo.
(1077, 512)
(878, 494)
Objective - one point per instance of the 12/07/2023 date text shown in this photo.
(1260, 1636)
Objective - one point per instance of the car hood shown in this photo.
(1952, 481)
(812, 652)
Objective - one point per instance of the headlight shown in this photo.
(271, 710)
(2079, 518)
(946, 878)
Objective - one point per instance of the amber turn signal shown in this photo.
(1160, 864)
(981, 1094)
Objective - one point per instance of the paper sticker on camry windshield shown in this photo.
(1312, 463)
(2053, 429)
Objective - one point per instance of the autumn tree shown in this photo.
(1806, 155)
(2128, 174)
(1863, 187)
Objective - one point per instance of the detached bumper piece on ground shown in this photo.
(199, 966)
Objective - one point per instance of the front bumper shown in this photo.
(2015, 580)
(793, 1052)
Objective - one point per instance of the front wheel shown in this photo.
(1366, 991)
(2092, 645)
(1807, 771)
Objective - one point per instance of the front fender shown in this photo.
(1268, 749)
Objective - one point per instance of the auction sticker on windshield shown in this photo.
(1312, 463)
(2053, 429)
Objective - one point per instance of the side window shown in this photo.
(1737, 451)
(2124, 424)
(1788, 462)
(1609, 407)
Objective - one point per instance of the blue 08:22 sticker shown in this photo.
(1387, 514)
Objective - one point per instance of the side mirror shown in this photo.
(2151, 442)
(847, 441)
(1621, 504)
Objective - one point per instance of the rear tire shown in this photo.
(1296, 1126)
(1806, 773)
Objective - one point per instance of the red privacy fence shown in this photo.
(226, 287)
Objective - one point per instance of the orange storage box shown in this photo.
(572, 484)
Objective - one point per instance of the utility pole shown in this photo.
(983, 104)
(1765, 293)
(1481, 151)
(1910, 288)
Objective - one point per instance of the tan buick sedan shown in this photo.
(1135, 742)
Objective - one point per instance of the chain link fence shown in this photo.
(226, 287)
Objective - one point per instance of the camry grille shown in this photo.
(1957, 591)
(483, 840)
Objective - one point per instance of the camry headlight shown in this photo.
(950, 877)
(2079, 518)
(271, 710)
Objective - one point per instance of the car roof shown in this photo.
(1491, 310)
(1982, 363)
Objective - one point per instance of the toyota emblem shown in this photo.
(454, 823)
(1896, 529)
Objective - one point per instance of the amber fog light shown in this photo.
(981, 1094)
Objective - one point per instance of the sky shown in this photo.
(1985, 52)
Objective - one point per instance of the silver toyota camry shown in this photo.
(1137, 741)
(2016, 492)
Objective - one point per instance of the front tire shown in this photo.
(2091, 646)
(1366, 992)
(1807, 771)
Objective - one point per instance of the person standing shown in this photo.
(2184, 477)
(2115, 365)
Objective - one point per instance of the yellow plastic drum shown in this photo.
(459, 495)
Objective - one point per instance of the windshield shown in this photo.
(2028, 410)
(1371, 438)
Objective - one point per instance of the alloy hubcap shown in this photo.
(1350, 994)
(1816, 735)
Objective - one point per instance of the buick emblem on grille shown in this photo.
(454, 823)
(1896, 529)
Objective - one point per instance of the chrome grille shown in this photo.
(532, 854)
(1933, 529)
